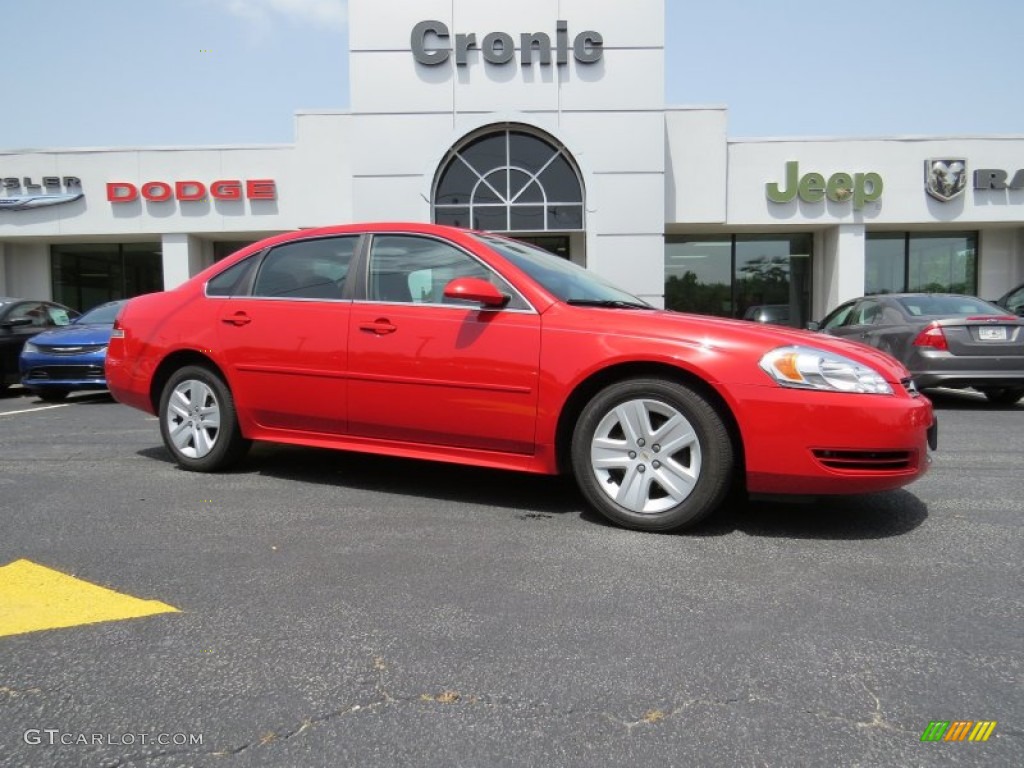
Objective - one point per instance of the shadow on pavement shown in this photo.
(875, 516)
(966, 400)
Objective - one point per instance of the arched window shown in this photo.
(509, 180)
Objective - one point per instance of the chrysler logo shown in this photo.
(945, 178)
(24, 202)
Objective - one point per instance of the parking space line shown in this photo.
(33, 410)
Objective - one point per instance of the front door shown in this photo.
(426, 370)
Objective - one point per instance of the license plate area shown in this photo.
(997, 333)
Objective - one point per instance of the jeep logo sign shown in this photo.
(812, 187)
(431, 45)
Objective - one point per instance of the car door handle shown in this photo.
(380, 326)
(239, 318)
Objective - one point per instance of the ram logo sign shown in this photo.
(945, 178)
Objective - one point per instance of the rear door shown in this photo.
(285, 341)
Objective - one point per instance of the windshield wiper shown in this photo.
(609, 303)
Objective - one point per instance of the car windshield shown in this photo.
(569, 282)
(955, 306)
(105, 314)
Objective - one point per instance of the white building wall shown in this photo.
(1002, 266)
(609, 115)
(838, 274)
(27, 266)
(697, 159)
(900, 163)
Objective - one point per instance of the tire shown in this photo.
(198, 421)
(630, 477)
(51, 395)
(1004, 395)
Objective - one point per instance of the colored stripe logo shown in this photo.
(959, 730)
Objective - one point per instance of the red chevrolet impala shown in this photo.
(437, 343)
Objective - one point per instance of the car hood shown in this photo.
(70, 335)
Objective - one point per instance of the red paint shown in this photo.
(487, 388)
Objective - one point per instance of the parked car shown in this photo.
(1013, 300)
(432, 342)
(945, 340)
(69, 358)
(20, 320)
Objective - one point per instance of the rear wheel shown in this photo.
(652, 455)
(1004, 395)
(198, 421)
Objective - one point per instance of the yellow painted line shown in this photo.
(41, 408)
(34, 598)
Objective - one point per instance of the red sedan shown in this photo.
(437, 343)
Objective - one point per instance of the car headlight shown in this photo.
(30, 347)
(810, 368)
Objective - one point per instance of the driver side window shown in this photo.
(415, 270)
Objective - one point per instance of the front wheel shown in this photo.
(652, 455)
(198, 421)
(1004, 395)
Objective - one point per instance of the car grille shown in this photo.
(44, 372)
(81, 349)
(865, 461)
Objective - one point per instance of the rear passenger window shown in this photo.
(307, 269)
(230, 281)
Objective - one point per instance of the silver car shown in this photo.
(944, 340)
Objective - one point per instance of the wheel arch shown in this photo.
(589, 387)
(171, 363)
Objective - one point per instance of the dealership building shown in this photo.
(545, 119)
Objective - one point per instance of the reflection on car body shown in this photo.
(432, 342)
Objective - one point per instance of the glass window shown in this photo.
(90, 274)
(764, 278)
(885, 264)
(306, 269)
(409, 269)
(34, 312)
(509, 181)
(921, 261)
(964, 306)
(942, 263)
(232, 280)
(569, 282)
(838, 317)
(698, 276)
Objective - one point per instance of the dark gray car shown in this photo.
(944, 340)
(1013, 300)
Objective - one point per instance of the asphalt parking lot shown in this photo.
(338, 610)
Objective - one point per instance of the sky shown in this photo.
(115, 73)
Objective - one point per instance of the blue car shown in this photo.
(70, 358)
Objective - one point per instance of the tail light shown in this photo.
(932, 336)
(995, 318)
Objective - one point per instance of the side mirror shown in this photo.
(475, 290)
(814, 326)
(18, 322)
